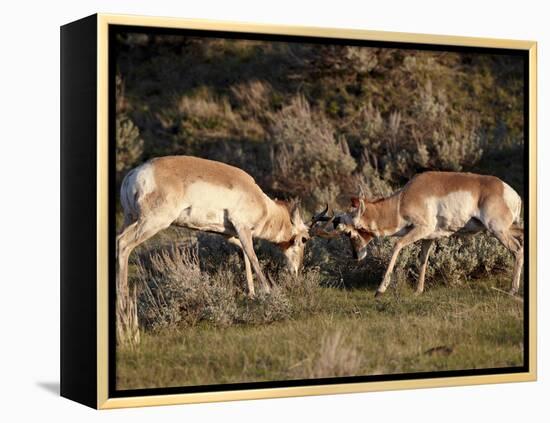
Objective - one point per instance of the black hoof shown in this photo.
(378, 294)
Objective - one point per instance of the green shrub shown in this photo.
(265, 308)
(129, 145)
(173, 290)
(309, 161)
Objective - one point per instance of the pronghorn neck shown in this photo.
(382, 217)
(277, 226)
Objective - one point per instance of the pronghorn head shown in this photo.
(293, 249)
(347, 224)
(350, 225)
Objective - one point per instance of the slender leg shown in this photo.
(508, 232)
(516, 248)
(414, 235)
(245, 237)
(424, 255)
(248, 269)
(126, 315)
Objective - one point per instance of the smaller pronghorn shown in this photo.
(207, 196)
(430, 206)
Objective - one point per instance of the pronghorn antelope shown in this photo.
(203, 195)
(434, 205)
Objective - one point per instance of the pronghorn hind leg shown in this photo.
(127, 222)
(415, 234)
(245, 237)
(516, 248)
(126, 315)
(248, 269)
(427, 245)
(127, 330)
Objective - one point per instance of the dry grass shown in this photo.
(350, 334)
(200, 328)
(336, 358)
(253, 97)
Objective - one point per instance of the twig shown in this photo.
(469, 310)
(299, 363)
(507, 293)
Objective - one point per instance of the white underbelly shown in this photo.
(204, 219)
(454, 212)
(208, 207)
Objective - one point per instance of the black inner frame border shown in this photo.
(113, 30)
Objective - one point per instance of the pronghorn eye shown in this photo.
(304, 239)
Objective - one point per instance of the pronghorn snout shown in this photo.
(341, 222)
(359, 256)
(294, 257)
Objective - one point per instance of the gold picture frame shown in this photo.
(99, 397)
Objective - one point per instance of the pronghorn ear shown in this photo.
(367, 236)
(295, 216)
(359, 203)
(285, 245)
(362, 207)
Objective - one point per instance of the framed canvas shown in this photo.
(255, 211)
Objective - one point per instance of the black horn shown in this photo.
(320, 217)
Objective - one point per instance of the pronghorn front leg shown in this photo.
(245, 237)
(248, 269)
(415, 234)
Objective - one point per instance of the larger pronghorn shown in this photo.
(203, 195)
(434, 205)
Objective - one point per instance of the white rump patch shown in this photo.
(512, 200)
(145, 179)
(137, 183)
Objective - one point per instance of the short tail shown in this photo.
(128, 195)
(516, 230)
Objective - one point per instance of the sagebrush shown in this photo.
(204, 281)
(321, 122)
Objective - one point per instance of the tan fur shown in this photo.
(209, 196)
(487, 191)
(174, 174)
(381, 217)
(177, 171)
(434, 205)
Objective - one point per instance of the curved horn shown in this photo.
(320, 217)
(321, 230)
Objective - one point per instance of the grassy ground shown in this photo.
(348, 332)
